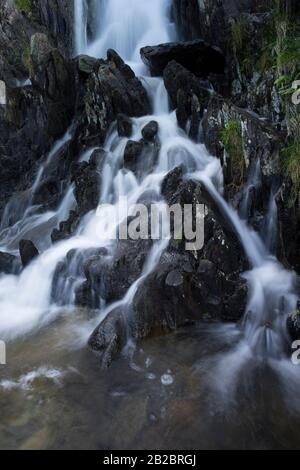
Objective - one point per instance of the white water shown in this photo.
(22, 220)
(80, 25)
(25, 299)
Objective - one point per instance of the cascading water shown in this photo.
(25, 300)
(80, 25)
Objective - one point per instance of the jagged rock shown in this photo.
(174, 295)
(293, 323)
(28, 252)
(150, 131)
(86, 177)
(196, 56)
(124, 125)
(115, 276)
(8, 263)
(112, 90)
(184, 89)
(109, 337)
(171, 182)
(67, 227)
(86, 64)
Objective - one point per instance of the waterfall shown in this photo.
(80, 26)
(25, 301)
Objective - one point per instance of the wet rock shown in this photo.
(132, 154)
(87, 186)
(28, 252)
(8, 263)
(66, 227)
(87, 65)
(112, 90)
(150, 131)
(124, 124)
(187, 93)
(173, 295)
(293, 323)
(226, 252)
(109, 337)
(117, 275)
(197, 56)
(171, 182)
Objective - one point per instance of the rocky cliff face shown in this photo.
(260, 40)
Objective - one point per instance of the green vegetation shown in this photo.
(278, 56)
(24, 5)
(232, 140)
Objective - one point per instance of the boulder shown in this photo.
(124, 125)
(87, 65)
(28, 252)
(196, 56)
(171, 182)
(150, 131)
(187, 93)
(132, 154)
(109, 337)
(86, 177)
(112, 90)
(174, 295)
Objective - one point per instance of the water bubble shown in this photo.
(167, 380)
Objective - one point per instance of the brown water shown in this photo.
(128, 406)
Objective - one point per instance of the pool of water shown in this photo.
(182, 391)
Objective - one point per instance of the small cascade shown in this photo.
(252, 185)
(22, 219)
(80, 26)
(270, 229)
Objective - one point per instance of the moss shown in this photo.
(291, 165)
(24, 5)
(241, 45)
(232, 140)
(26, 58)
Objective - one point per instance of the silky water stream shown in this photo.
(206, 386)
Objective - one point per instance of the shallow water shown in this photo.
(165, 397)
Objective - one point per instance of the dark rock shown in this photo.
(293, 323)
(109, 337)
(150, 131)
(197, 56)
(171, 182)
(28, 252)
(87, 65)
(226, 252)
(67, 227)
(115, 276)
(87, 187)
(124, 125)
(132, 154)
(112, 90)
(187, 93)
(8, 263)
